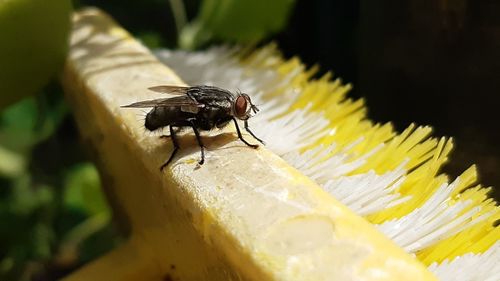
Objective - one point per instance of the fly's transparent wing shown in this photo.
(146, 103)
(184, 102)
(167, 89)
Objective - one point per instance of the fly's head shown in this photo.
(243, 107)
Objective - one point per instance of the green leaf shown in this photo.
(151, 39)
(241, 21)
(17, 125)
(26, 199)
(43, 238)
(31, 120)
(83, 190)
(34, 44)
(11, 164)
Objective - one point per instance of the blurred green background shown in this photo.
(430, 62)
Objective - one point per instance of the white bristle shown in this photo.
(470, 267)
(290, 132)
(368, 193)
(435, 220)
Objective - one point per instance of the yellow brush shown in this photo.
(392, 179)
(250, 215)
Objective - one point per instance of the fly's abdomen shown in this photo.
(160, 117)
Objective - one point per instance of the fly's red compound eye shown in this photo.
(240, 106)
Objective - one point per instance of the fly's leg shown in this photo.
(241, 137)
(176, 148)
(251, 133)
(200, 143)
(191, 97)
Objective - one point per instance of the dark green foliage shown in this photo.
(53, 214)
(236, 21)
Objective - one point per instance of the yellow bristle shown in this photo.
(475, 239)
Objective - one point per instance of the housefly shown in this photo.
(202, 108)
